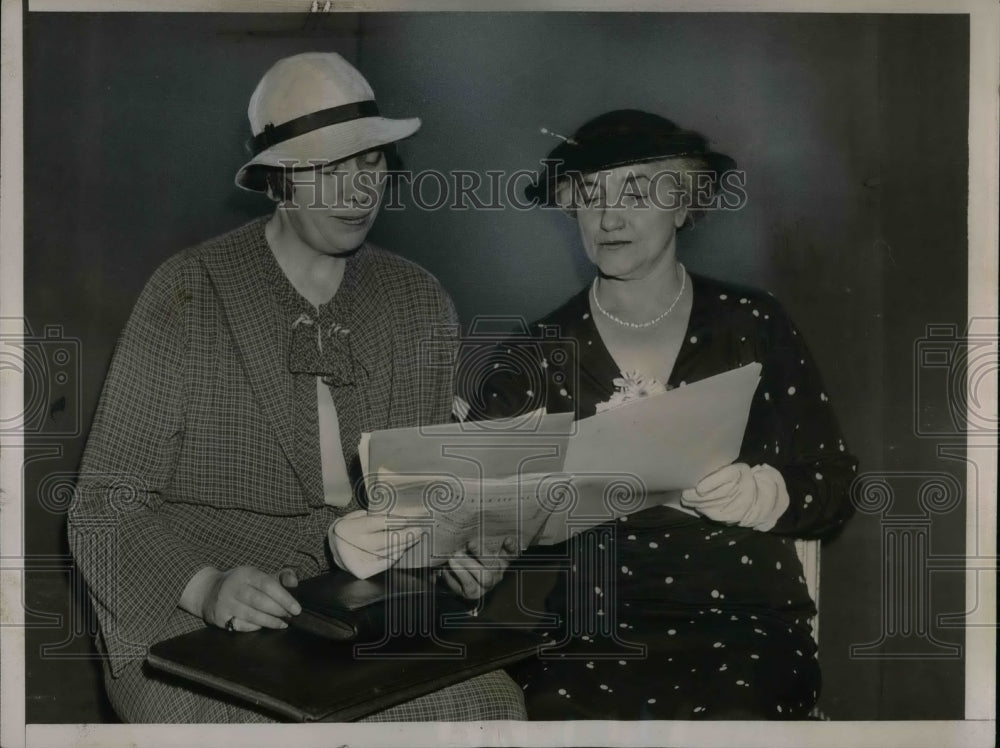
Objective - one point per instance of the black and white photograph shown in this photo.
(554, 374)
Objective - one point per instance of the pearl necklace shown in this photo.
(639, 325)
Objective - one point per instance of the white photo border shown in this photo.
(978, 729)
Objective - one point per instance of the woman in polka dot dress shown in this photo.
(697, 610)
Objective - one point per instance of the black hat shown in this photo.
(621, 138)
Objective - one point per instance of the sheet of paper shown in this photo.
(532, 443)
(542, 478)
(476, 514)
(477, 481)
(671, 440)
(643, 453)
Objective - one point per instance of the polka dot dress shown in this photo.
(669, 616)
(705, 622)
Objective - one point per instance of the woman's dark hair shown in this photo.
(279, 187)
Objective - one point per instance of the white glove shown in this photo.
(739, 495)
(365, 544)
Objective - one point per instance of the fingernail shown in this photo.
(284, 625)
(296, 609)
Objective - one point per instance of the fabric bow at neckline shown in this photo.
(321, 346)
(320, 338)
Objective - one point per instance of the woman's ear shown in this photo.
(682, 216)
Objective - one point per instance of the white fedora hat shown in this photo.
(311, 108)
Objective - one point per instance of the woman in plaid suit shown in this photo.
(225, 441)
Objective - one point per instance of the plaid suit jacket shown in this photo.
(195, 457)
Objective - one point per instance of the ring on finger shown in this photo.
(231, 624)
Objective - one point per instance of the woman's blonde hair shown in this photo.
(695, 193)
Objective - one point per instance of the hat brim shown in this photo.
(332, 143)
(544, 188)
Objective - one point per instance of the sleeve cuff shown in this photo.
(772, 498)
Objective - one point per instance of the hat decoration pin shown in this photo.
(547, 131)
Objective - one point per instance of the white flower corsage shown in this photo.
(632, 385)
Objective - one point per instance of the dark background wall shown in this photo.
(854, 143)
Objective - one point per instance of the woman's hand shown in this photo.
(740, 495)
(471, 577)
(250, 598)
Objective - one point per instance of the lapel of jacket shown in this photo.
(257, 327)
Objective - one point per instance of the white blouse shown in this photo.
(336, 483)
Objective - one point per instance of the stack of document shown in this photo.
(540, 478)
